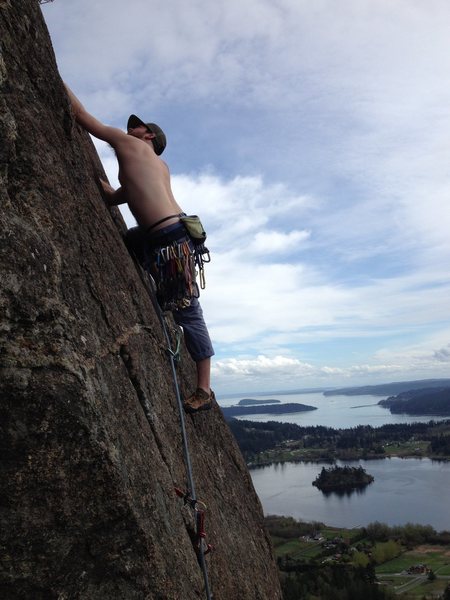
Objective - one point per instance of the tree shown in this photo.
(378, 532)
(360, 559)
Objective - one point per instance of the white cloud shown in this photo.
(284, 372)
(259, 292)
(256, 299)
(250, 50)
(274, 242)
(319, 165)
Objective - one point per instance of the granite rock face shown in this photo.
(90, 435)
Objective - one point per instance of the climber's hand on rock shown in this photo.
(108, 190)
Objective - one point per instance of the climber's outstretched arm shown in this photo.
(112, 135)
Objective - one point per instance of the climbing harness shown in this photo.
(192, 224)
(173, 261)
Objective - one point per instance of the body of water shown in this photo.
(405, 490)
(332, 411)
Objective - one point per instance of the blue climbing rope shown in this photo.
(174, 356)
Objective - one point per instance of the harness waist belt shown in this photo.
(166, 237)
(163, 220)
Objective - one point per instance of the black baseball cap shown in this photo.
(159, 142)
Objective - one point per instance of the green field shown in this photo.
(437, 559)
(298, 548)
(409, 448)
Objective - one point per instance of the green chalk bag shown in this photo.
(194, 228)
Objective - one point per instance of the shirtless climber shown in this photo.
(145, 187)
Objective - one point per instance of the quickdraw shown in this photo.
(200, 534)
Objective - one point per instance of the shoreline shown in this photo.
(330, 460)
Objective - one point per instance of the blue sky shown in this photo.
(313, 139)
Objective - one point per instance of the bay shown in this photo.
(407, 490)
(332, 411)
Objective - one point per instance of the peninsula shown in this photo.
(426, 401)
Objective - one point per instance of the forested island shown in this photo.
(426, 401)
(273, 409)
(265, 443)
(335, 479)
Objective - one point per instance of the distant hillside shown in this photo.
(386, 389)
(277, 409)
(427, 401)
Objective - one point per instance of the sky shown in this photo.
(313, 139)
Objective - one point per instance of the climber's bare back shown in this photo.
(145, 181)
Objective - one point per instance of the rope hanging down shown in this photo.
(190, 495)
(174, 356)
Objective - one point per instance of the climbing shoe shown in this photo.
(199, 400)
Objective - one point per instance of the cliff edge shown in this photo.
(90, 434)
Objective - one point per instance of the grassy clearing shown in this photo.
(444, 570)
(298, 549)
(397, 565)
(434, 557)
(291, 547)
(347, 534)
(409, 448)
